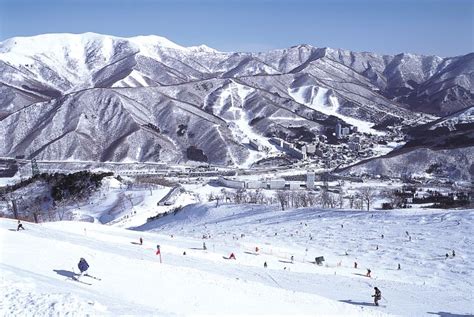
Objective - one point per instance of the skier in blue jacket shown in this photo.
(83, 265)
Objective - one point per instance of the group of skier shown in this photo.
(84, 266)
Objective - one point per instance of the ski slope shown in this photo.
(36, 264)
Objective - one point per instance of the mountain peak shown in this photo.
(155, 40)
(202, 48)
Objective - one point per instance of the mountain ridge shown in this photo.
(297, 87)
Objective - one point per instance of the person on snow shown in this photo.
(141, 241)
(399, 267)
(83, 265)
(204, 246)
(265, 264)
(232, 256)
(257, 249)
(20, 226)
(454, 254)
(377, 296)
(158, 251)
(368, 273)
(355, 265)
(292, 258)
(447, 255)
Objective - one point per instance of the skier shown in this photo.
(265, 264)
(382, 236)
(377, 247)
(20, 226)
(232, 256)
(292, 258)
(447, 255)
(83, 265)
(158, 251)
(399, 267)
(256, 249)
(355, 265)
(204, 246)
(368, 273)
(141, 241)
(454, 254)
(377, 296)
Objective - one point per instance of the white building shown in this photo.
(310, 177)
(277, 184)
(255, 184)
(294, 185)
(338, 130)
(231, 183)
(256, 145)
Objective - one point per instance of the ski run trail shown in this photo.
(37, 265)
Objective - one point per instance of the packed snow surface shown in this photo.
(37, 264)
(322, 100)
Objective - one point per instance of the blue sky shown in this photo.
(440, 27)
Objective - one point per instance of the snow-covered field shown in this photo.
(36, 264)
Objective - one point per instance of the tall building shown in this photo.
(310, 180)
(338, 130)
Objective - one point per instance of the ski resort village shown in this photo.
(140, 177)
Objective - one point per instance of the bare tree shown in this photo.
(282, 197)
(61, 210)
(312, 199)
(14, 203)
(324, 197)
(210, 197)
(35, 209)
(396, 200)
(351, 198)
(240, 196)
(293, 199)
(332, 201)
(367, 195)
(358, 202)
(340, 199)
(256, 196)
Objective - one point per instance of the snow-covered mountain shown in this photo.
(105, 98)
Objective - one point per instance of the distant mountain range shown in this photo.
(104, 98)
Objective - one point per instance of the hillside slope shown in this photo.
(36, 264)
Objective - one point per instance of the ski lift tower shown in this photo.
(34, 167)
